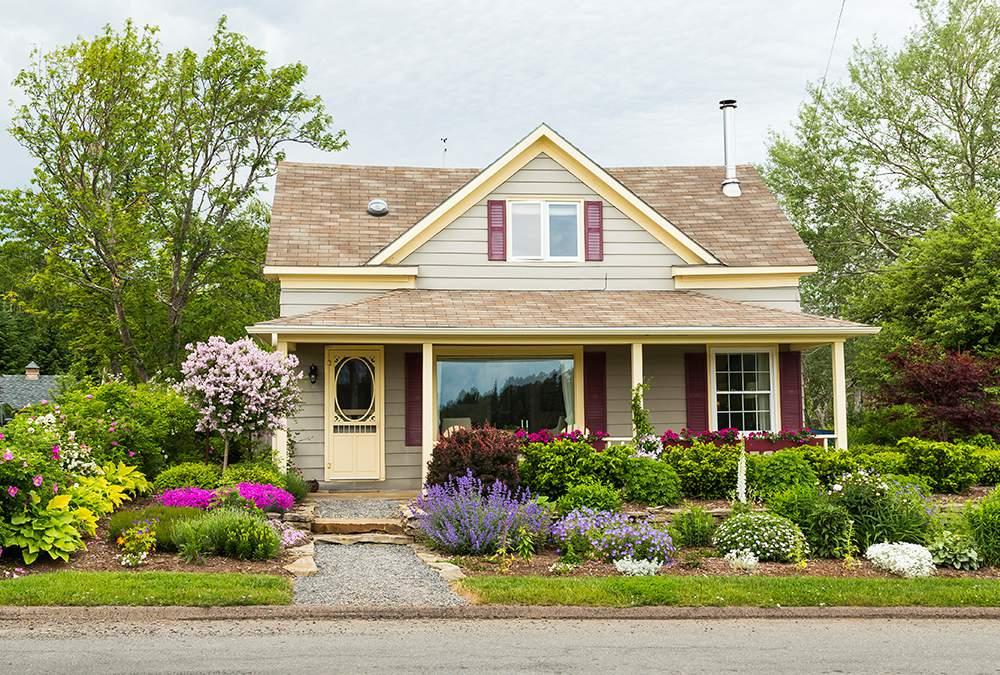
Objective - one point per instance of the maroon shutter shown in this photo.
(414, 391)
(595, 392)
(496, 229)
(593, 230)
(790, 386)
(696, 390)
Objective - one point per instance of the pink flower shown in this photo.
(44, 402)
(55, 452)
(89, 397)
(131, 454)
(37, 481)
(55, 488)
(12, 490)
(7, 456)
(114, 444)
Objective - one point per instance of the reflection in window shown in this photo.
(512, 393)
(743, 391)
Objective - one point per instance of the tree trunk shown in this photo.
(225, 452)
(125, 333)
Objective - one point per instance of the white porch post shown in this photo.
(427, 402)
(839, 395)
(279, 439)
(636, 368)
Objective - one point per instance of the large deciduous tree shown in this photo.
(145, 194)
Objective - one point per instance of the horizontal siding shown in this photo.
(456, 256)
(782, 297)
(619, 395)
(663, 369)
(301, 300)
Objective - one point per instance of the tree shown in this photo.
(149, 167)
(239, 389)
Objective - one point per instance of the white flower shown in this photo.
(837, 487)
(742, 559)
(638, 568)
(907, 560)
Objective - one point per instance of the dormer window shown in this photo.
(545, 230)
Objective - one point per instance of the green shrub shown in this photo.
(881, 461)
(551, 469)
(951, 549)
(884, 509)
(988, 462)
(829, 464)
(296, 484)
(252, 472)
(706, 470)
(597, 496)
(188, 474)
(694, 526)
(769, 536)
(827, 526)
(951, 467)
(648, 481)
(983, 518)
(886, 425)
(167, 517)
(230, 533)
(773, 473)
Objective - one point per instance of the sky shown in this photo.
(628, 82)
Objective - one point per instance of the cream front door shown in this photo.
(354, 413)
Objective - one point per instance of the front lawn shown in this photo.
(190, 589)
(732, 591)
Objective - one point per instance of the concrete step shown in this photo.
(357, 526)
(364, 538)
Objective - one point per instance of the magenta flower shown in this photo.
(193, 497)
(55, 488)
(7, 456)
(12, 490)
(114, 444)
(55, 452)
(37, 481)
(267, 497)
(131, 454)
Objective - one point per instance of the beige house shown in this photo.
(533, 293)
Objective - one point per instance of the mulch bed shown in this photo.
(694, 562)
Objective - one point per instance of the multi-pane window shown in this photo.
(743, 390)
(541, 230)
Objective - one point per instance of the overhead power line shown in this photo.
(833, 44)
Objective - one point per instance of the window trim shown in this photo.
(713, 412)
(545, 227)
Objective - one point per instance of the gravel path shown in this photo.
(366, 575)
(358, 508)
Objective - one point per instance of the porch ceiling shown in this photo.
(492, 312)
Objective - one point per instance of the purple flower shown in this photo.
(131, 453)
(193, 497)
(7, 456)
(12, 490)
(37, 481)
(55, 452)
(267, 497)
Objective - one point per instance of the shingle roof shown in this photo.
(319, 215)
(17, 391)
(525, 310)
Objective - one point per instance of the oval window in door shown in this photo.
(355, 390)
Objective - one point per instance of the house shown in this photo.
(533, 293)
(17, 391)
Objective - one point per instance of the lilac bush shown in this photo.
(239, 389)
(464, 516)
(267, 497)
(612, 536)
(192, 497)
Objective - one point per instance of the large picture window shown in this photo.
(541, 230)
(509, 393)
(743, 389)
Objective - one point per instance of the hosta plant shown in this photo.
(768, 536)
(951, 549)
(902, 558)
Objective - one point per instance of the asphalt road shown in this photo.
(502, 646)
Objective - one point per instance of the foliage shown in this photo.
(641, 426)
(905, 559)
(97, 494)
(190, 497)
(649, 481)
(829, 464)
(230, 498)
(597, 496)
(137, 543)
(630, 567)
(706, 470)
(464, 516)
(693, 526)
(885, 424)
(227, 532)
(988, 462)
(267, 498)
(252, 472)
(188, 474)
(951, 549)
(827, 525)
(551, 469)
(296, 484)
(166, 517)
(54, 529)
(239, 389)
(489, 453)
(612, 536)
(883, 509)
(773, 473)
(878, 459)
(147, 202)
(768, 536)
(983, 518)
(131, 480)
(951, 467)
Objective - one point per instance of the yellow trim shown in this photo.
(838, 365)
(328, 388)
(683, 281)
(428, 413)
(377, 337)
(543, 141)
(766, 270)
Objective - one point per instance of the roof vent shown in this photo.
(378, 207)
(731, 184)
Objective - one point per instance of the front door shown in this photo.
(354, 413)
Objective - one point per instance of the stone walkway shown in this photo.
(373, 575)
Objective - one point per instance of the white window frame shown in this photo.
(544, 224)
(713, 393)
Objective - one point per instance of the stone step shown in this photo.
(364, 538)
(357, 526)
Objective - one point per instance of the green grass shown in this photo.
(734, 591)
(189, 589)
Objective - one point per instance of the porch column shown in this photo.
(636, 369)
(427, 401)
(839, 395)
(279, 439)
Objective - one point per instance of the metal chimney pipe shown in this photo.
(731, 184)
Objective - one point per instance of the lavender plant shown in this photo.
(612, 536)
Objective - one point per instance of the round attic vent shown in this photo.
(378, 207)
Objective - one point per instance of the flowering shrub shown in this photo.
(796, 436)
(631, 567)
(742, 559)
(905, 559)
(768, 536)
(489, 453)
(546, 436)
(685, 438)
(267, 497)
(189, 497)
(137, 543)
(464, 516)
(611, 536)
(883, 508)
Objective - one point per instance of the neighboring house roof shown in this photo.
(18, 391)
(473, 311)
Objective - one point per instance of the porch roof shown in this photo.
(478, 312)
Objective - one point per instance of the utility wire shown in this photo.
(829, 58)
